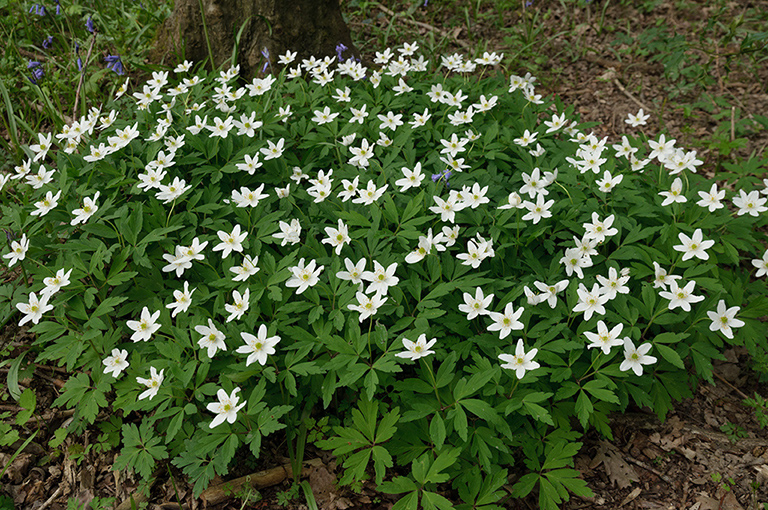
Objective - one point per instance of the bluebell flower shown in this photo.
(340, 48)
(89, 24)
(38, 9)
(58, 8)
(265, 54)
(47, 42)
(79, 61)
(37, 71)
(444, 175)
(114, 63)
(425, 3)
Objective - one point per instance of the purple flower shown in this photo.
(37, 71)
(340, 48)
(47, 42)
(425, 3)
(79, 61)
(38, 9)
(114, 63)
(265, 54)
(58, 8)
(444, 175)
(89, 24)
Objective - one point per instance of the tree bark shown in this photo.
(309, 27)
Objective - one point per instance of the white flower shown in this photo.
(212, 339)
(89, 208)
(116, 363)
(605, 339)
(418, 349)
(526, 139)
(760, 264)
(354, 272)
(367, 306)
(144, 328)
(226, 408)
(239, 306)
(45, 205)
(251, 163)
(635, 358)
(178, 262)
(381, 279)
(183, 299)
(324, 116)
(172, 191)
(246, 269)
(637, 120)
(661, 278)
(34, 309)
(18, 250)
(153, 383)
(694, 246)
(521, 361)
(682, 297)
(614, 283)
(370, 193)
(337, 237)
(538, 210)
(599, 230)
(748, 203)
(608, 182)
(474, 306)
(590, 302)
(54, 283)
(712, 198)
(230, 242)
(574, 261)
(258, 348)
(411, 178)
(390, 120)
(273, 150)
(549, 292)
(289, 233)
(304, 277)
(505, 322)
(724, 320)
(675, 193)
(248, 198)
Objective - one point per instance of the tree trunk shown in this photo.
(309, 27)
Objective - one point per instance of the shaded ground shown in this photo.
(602, 59)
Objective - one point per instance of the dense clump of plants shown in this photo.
(442, 261)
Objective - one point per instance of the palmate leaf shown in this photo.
(141, 449)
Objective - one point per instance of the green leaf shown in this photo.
(437, 431)
(670, 355)
(398, 485)
(583, 408)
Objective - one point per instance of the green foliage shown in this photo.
(396, 309)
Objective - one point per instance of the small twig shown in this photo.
(629, 95)
(741, 393)
(50, 500)
(649, 468)
(421, 24)
(82, 75)
(733, 123)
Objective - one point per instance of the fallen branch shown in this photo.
(630, 96)
(421, 24)
(219, 493)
